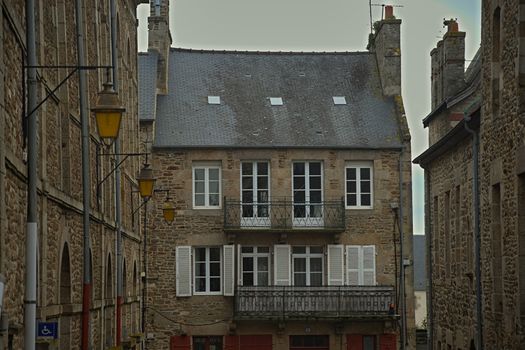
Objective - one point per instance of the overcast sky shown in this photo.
(329, 25)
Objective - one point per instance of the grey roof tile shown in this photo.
(245, 118)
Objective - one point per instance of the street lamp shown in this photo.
(108, 114)
(146, 182)
(168, 210)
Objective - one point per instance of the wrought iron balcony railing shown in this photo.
(282, 214)
(328, 302)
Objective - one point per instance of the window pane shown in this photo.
(214, 200)
(299, 279)
(215, 254)
(200, 254)
(199, 174)
(263, 249)
(351, 200)
(247, 196)
(200, 269)
(247, 279)
(247, 264)
(315, 168)
(316, 279)
(299, 250)
(213, 174)
(316, 250)
(298, 183)
(247, 249)
(247, 183)
(214, 187)
(316, 264)
(315, 196)
(199, 199)
(247, 168)
(299, 197)
(262, 264)
(365, 199)
(299, 211)
(299, 265)
(298, 168)
(262, 279)
(247, 211)
(365, 186)
(215, 284)
(351, 186)
(262, 168)
(199, 187)
(350, 173)
(365, 173)
(215, 269)
(315, 182)
(262, 182)
(200, 284)
(262, 196)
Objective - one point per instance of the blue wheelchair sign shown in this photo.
(47, 330)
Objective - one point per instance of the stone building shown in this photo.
(490, 246)
(451, 302)
(289, 172)
(60, 278)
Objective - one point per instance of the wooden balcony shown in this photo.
(324, 303)
(283, 215)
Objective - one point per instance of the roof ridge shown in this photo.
(268, 52)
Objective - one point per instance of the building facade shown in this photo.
(484, 168)
(291, 177)
(60, 210)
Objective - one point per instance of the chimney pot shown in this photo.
(389, 12)
(452, 26)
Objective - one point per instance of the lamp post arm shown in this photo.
(126, 156)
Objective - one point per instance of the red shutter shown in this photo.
(387, 342)
(354, 342)
(256, 342)
(231, 342)
(180, 342)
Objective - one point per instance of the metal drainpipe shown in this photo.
(32, 174)
(145, 281)
(477, 236)
(430, 311)
(118, 210)
(86, 181)
(401, 245)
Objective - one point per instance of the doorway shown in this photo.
(309, 342)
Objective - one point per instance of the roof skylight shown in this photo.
(276, 101)
(339, 100)
(214, 100)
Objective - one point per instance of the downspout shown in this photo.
(402, 298)
(477, 236)
(86, 180)
(118, 211)
(428, 233)
(32, 174)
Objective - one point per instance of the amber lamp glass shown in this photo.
(108, 113)
(146, 182)
(168, 211)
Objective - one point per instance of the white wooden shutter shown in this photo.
(282, 269)
(183, 271)
(369, 265)
(229, 269)
(352, 265)
(336, 275)
(239, 265)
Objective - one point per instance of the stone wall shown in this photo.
(60, 279)
(501, 170)
(206, 227)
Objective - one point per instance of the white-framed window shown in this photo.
(307, 265)
(255, 266)
(359, 185)
(207, 267)
(361, 265)
(307, 193)
(206, 185)
(255, 193)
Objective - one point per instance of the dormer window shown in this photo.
(276, 101)
(214, 100)
(339, 100)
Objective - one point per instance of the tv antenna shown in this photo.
(382, 11)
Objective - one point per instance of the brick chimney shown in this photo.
(448, 64)
(385, 42)
(159, 40)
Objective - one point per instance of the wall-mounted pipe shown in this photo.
(402, 297)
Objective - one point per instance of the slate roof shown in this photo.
(147, 66)
(420, 263)
(245, 81)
